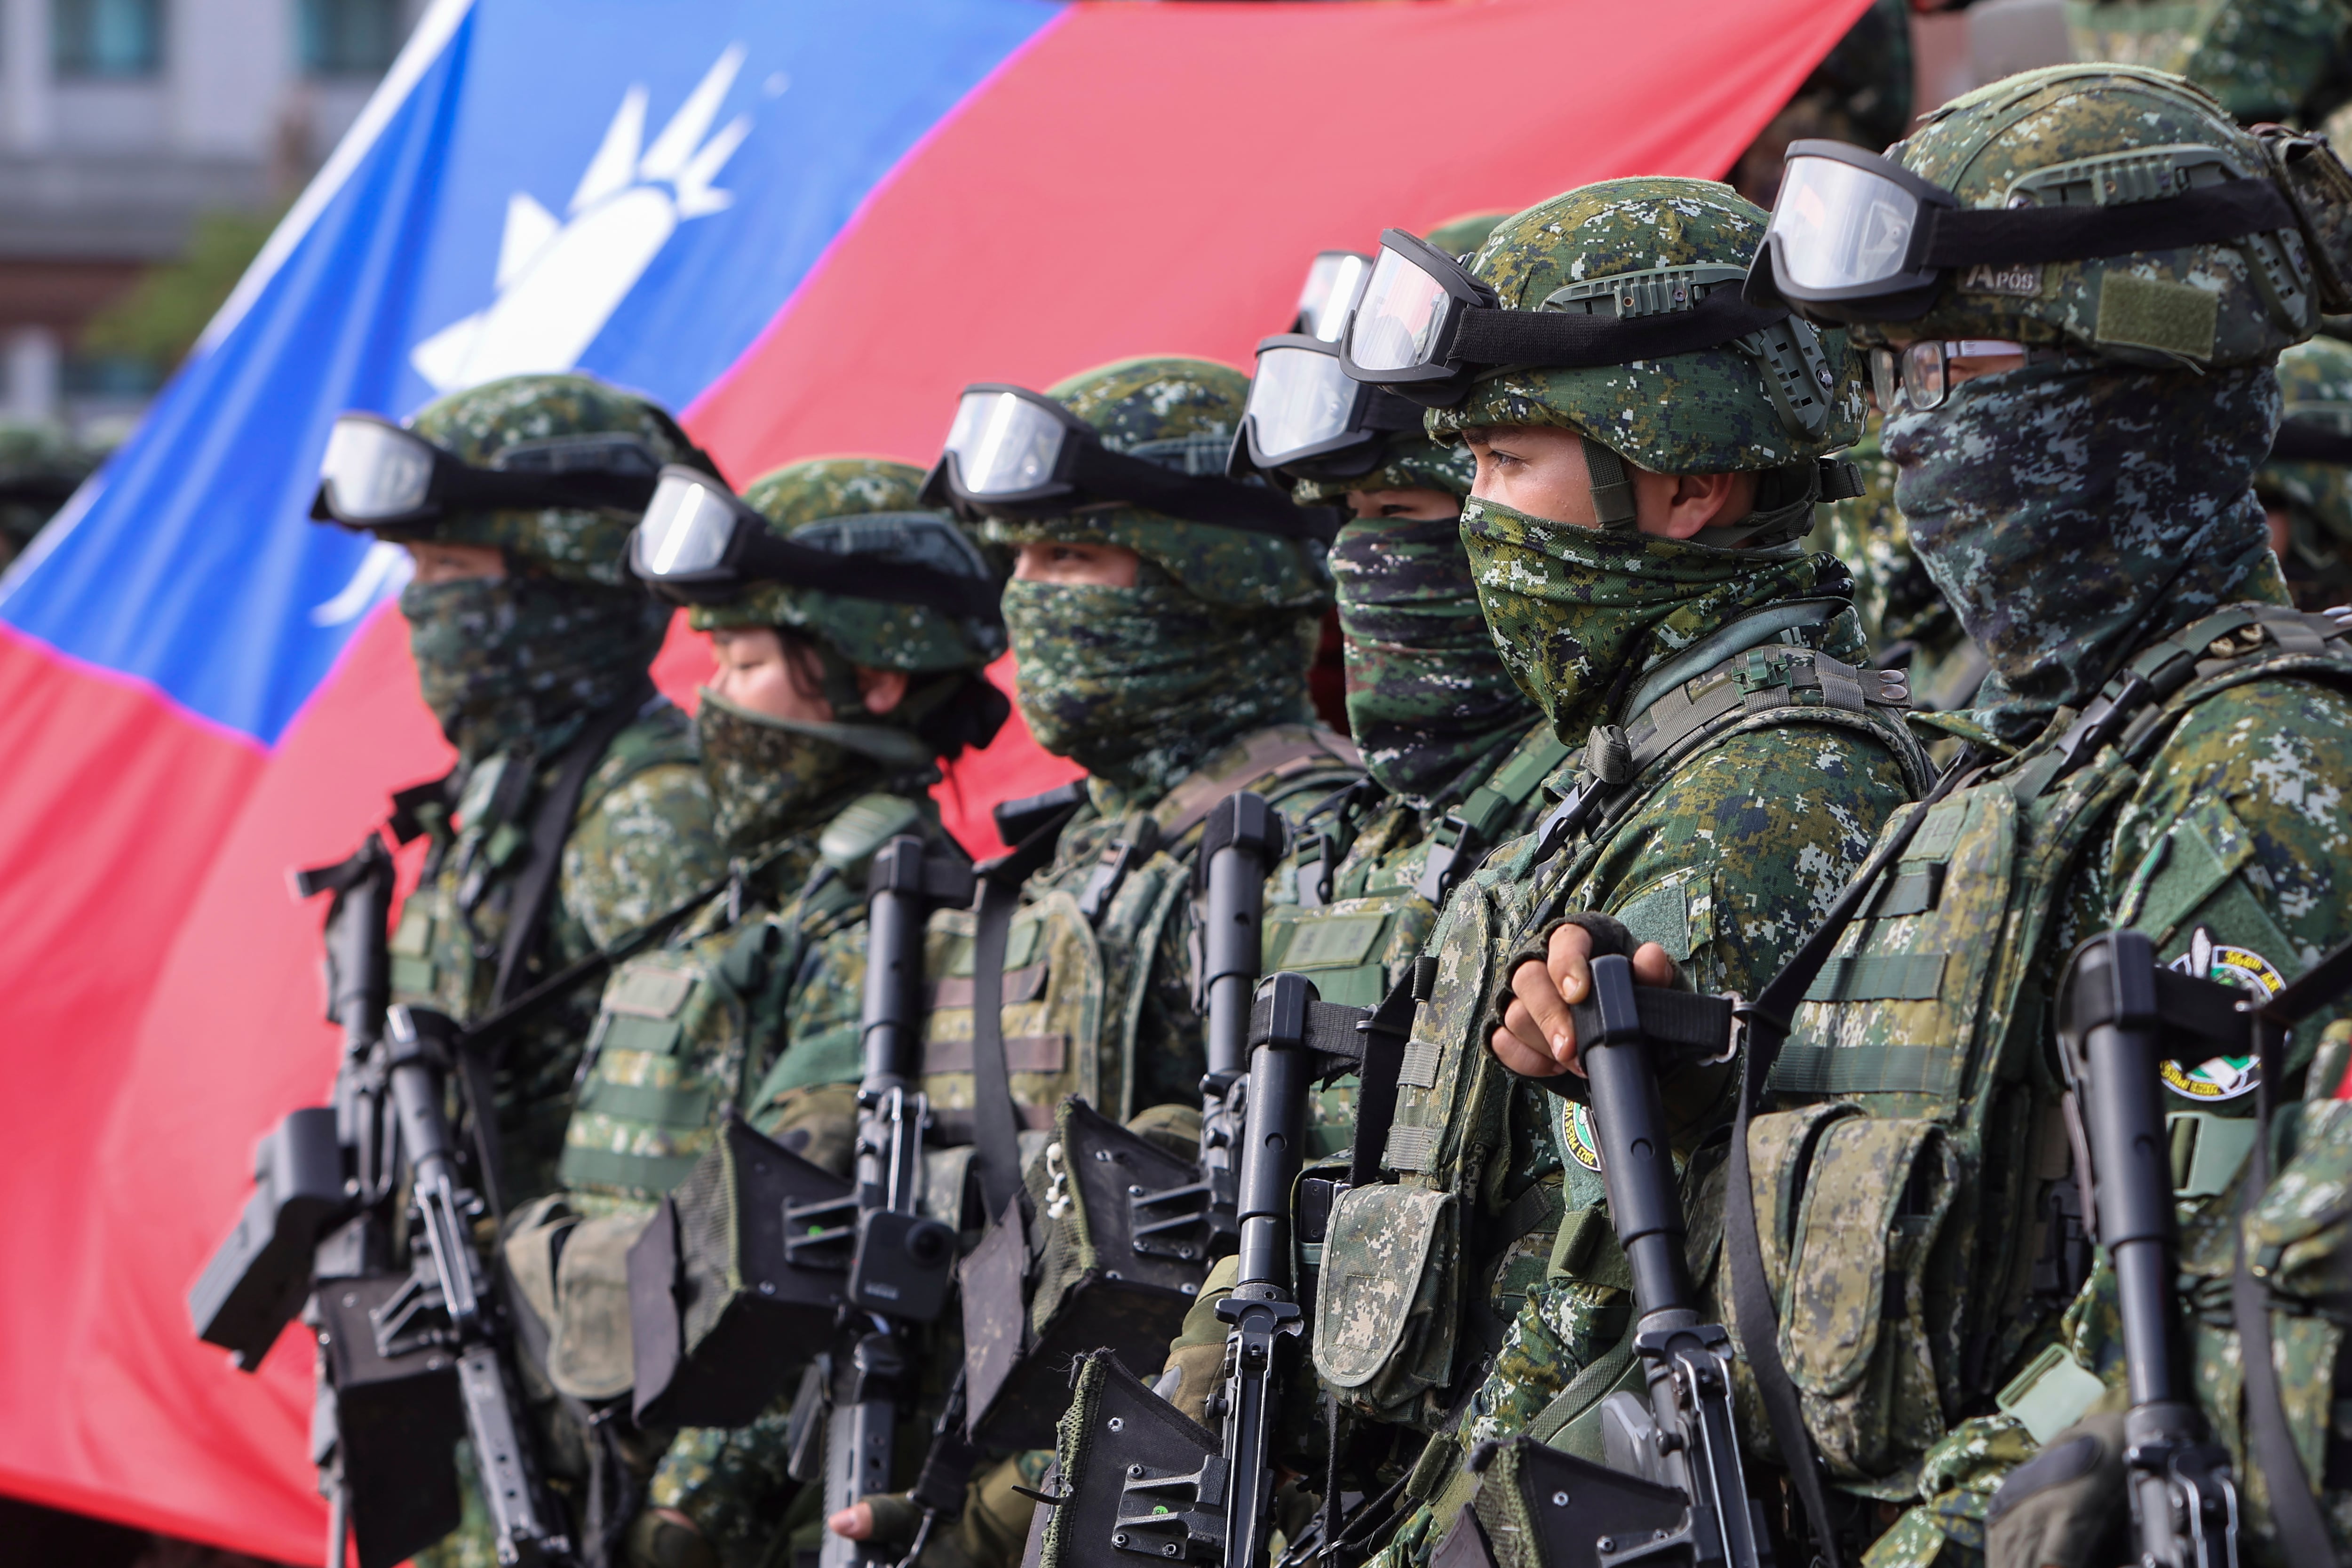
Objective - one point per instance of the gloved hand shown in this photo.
(2065, 1507)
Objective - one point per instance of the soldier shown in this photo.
(2080, 410)
(2262, 59)
(1648, 459)
(1456, 752)
(1163, 616)
(820, 736)
(577, 810)
(2307, 488)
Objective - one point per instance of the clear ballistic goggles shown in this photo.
(1333, 280)
(1307, 418)
(1015, 452)
(379, 477)
(701, 544)
(1425, 329)
(1857, 238)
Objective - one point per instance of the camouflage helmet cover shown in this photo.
(1711, 411)
(2316, 385)
(2113, 133)
(1408, 462)
(478, 424)
(877, 633)
(1461, 235)
(1182, 413)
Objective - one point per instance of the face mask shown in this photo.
(1428, 696)
(2072, 514)
(1140, 685)
(508, 660)
(765, 773)
(1579, 612)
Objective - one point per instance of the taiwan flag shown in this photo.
(804, 224)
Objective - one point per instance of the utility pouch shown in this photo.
(2320, 190)
(1539, 1508)
(1857, 1205)
(725, 1292)
(397, 1418)
(1384, 1323)
(1136, 1473)
(1120, 1242)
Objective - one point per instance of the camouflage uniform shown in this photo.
(2315, 386)
(1173, 694)
(2087, 512)
(2262, 59)
(1908, 623)
(1860, 92)
(523, 671)
(1724, 845)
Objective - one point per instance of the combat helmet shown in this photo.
(1134, 454)
(2102, 209)
(2309, 473)
(1614, 310)
(554, 470)
(841, 553)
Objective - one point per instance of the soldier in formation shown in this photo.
(1609, 702)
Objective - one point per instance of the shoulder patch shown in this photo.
(2222, 1078)
(646, 993)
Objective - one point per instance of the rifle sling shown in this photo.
(1754, 1315)
(995, 1122)
(527, 915)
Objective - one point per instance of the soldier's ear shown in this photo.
(881, 689)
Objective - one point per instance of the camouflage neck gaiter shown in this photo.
(1427, 692)
(767, 773)
(2073, 514)
(512, 660)
(1578, 613)
(1140, 685)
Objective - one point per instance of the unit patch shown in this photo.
(1576, 1136)
(2223, 1077)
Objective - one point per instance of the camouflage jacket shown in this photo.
(1727, 851)
(687, 1032)
(640, 843)
(1099, 972)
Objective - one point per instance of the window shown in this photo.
(346, 37)
(107, 37)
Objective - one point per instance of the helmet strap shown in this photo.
(1612, 486)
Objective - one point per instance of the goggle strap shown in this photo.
(769, 558)
(1388, 414)
(1106, 474)
(2312, 441)
(1612, 486)
(2212, 215)
(534, 489)
(1489, 336)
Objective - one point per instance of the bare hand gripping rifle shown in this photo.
(1671, 1489)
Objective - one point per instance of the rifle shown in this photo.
(1149, 1482)
(1671, 1489)
(409, 1359)
(902, 1262)
(1153, 1221)
(2121, 1015)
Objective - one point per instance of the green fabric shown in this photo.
(1709, 412)
(520, 661)
(825, 497)
(481, 422)
(2013, 140)
(1579, 612)
(2316, 385)
(766, 772)
(1407, 462)
(1140, 686)
(1428, 695)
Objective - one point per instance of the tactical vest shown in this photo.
(1391, 1318)
(1914, 1190)
(684, 1032)
(1082, 952)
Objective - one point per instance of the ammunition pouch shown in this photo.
(740, 1270)
(1114, 1258)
